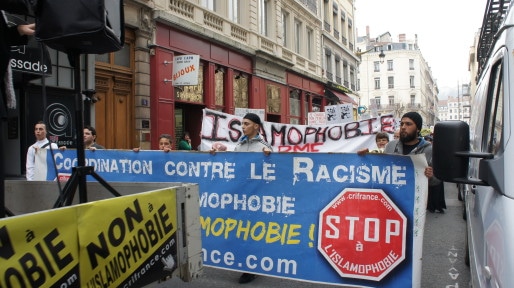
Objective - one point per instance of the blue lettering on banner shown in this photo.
(260, 213)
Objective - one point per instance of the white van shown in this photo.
(481, 156)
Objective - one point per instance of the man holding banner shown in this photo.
(410, 142)
(252, 141)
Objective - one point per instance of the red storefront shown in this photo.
(227, 79)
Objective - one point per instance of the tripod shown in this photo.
(79, 173)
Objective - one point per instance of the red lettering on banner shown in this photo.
(309, 147)
(297, 138)
(216, 119)
(387, 123)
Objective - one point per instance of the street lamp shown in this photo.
(381, 56)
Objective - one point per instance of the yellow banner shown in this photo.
(40, 250)
(128, 241)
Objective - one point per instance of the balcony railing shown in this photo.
(326, 25)
(336, 34)
(414, 105)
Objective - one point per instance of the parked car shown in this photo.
(480, 156)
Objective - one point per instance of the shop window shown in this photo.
(294, 103)
(294, 106)
(273, 99)
(191, 93)
(240, 91)
(316, 104)
(219, 86)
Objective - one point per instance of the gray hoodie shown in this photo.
(255, 144)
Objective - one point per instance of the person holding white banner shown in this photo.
(411, 143)
(381, 139)
(252, 141)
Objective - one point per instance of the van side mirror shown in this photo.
(449, 153)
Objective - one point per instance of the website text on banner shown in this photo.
(279, 214)
(345, 137)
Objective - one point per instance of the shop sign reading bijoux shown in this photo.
(185, 70)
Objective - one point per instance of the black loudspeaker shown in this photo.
(81, 26)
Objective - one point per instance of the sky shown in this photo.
(445, 29)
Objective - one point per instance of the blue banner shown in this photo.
(263, 214)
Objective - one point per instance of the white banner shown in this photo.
(345, 137)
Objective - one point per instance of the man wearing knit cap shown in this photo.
(252, 141)
(411, 143)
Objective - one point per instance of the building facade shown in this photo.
(399, 81)
(284, 56)
(456, 107)
(265, 54)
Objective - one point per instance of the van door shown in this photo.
(486, 205)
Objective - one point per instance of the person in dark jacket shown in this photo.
(436, 200)
(10, 36)
(411, 143)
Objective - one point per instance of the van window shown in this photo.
(494, 123)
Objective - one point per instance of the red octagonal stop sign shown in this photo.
(362, 234)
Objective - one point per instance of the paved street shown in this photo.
(443, 257)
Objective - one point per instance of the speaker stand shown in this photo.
(79, 173)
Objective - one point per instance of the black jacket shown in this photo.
(9, 36)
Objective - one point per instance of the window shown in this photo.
(335, 22)
(412, 100)
(493, 126)
(391, 100)
(316, 104)
(352, 78)
(411, 64)
(219, 87)
(240, 91)
(298, 35)
(273, 99)
(338, 69)
(377, 83)
(62, 71)
(263, 17)
(285, 29)
(192, 93)
(389, 65)
(233, 11)
(345, 73)
(343, 27)
(390, 82)
(209, 4)
(326, 13)
(328, 63)
(294, 103)
(376, 65)
(411, 80)
(310, 43)
(375, 102)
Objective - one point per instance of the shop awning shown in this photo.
(339, 95)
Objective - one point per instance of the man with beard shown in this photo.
(411, 143)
